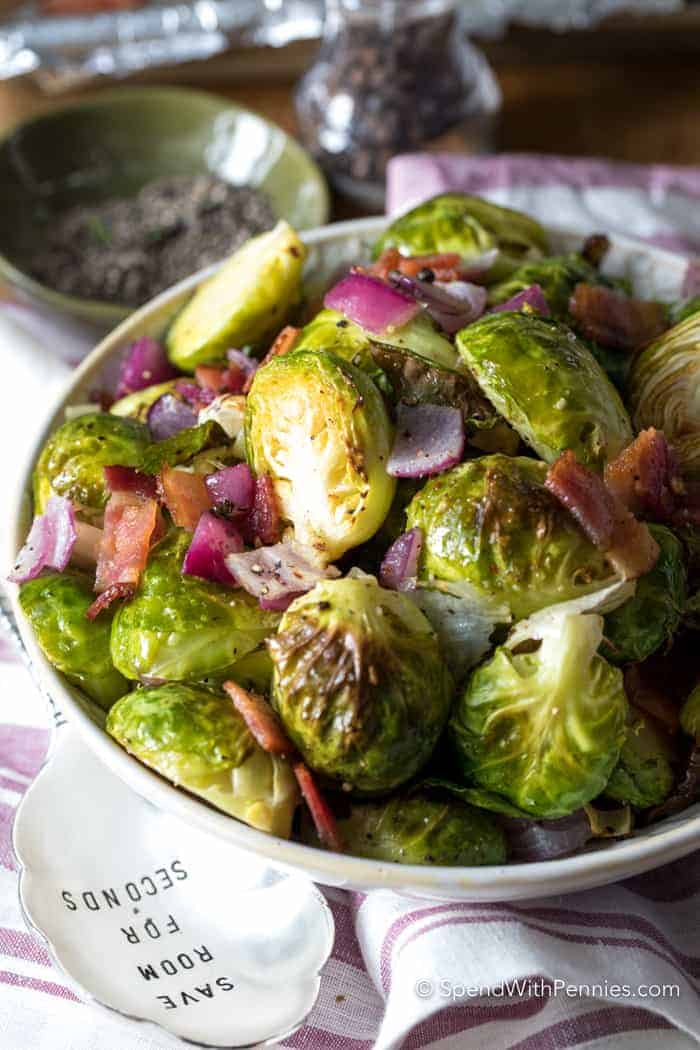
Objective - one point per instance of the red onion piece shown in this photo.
(247, 366)
(214, 538)
(429, 439)
(532, 840)
(145, 363)
(168, 416)
(533, 297)
(278, 574)
(232, 489)
(50, 542)
(128, 479)
(371, 303)
(196, 395)
(400, 565)
(453, 309)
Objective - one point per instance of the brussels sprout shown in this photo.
(651, 617)
(663, 383)
(469, 226)
(615, 363)
(198, 740)
(55, 605)
(72, 461)
(543, 729)
(181, 628)
(492, 522)
(690, 714)
(644, 775)
(423, 827)
(184, 447)
(137, 404)
(244, 302)
(557, 276)
(318, 426)
(681, 311)
(572, 405)
(359, 683)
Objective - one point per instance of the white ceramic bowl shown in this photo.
(653, 273)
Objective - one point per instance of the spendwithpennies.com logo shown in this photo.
(541, 988)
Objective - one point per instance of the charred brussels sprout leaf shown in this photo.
(469, 226)
(197, 739)
(318, 426)
(642, 625)
(183, 447)
(359, 683)
(572, 405)
(543, 729)
(492, 522)
(72, 461)
(644, 775)
(55, 605)
(557, 276)
(181, 628)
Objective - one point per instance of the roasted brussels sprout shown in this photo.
(663, 382)
(644, 775)
(543, 729)
(359, 683)
(651, 617)
(572, 405)
(686, 309)
(72, 461)
(181, 628)
(469, 226)
(243, 303)
(137, 404)
(492, 522)
(690, 714)
(183, 447)
(422, 827)
(55, 605)
(198, 740)
(557, 276)
(318, 426)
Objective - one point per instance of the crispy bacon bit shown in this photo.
(616, 320)
(265, 521)
(263, 723)
(220, 379)
(595, 248)
(129, 525)
(116, 592)
(282, 345)
(645, 476)
(185, 495)
(626, 542)
(128, 479)
(446, 266)
(321, 813)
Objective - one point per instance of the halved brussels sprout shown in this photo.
(137, 404)
(557, 276)
(359, 683)
(244, 302)
(664, 382)
(492, 522)
(184, 447)
(651, 617)
(644, 774)
(197, 739)
(544, 729)
(181, 628)
(318, 426)
(422, 827)
(690, 714)
(548, 385)
(55, 605)
(469, 226)
(73, 459)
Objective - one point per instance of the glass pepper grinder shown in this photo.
(392, 76)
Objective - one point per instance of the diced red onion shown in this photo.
(196, 395)
(145, 363)
(452, 309)
(246, 365)
(214, 538)
(232, 489)
(429, 439)
(533, 297)
(278, 574)
(168, 416)
(128, 479)
(532, 840)
(371, 303)
(50, 542)
(400, 565)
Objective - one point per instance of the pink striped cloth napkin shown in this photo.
(613, 967)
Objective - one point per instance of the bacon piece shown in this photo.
(616, 320)
(264, 523)
(282, 345)
(220, 379)
(645, 476)
(595, 248)
(128, 479)
(263, 723)
(185, 495)
(446, 266)
(129, 525)
(321, 813)
(115, 592)
(627, 543)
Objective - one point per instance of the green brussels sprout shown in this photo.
(245, 302)
(644, 774)
(359, 683)
(197, 739)
(72, 461)
(492, 522)
(572, 405)
(651, 617)
(681, 311)
(690, 714)
(663, 382)
(557, 276)
(423, 827)
(181, 628)
(184, 447)
(137, 404)
(55, 605)
(543, 729)
(615, 363)
(469, 226)
(318, 426)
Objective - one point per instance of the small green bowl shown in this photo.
(114, 143)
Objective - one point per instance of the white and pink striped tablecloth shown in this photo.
(540, 975)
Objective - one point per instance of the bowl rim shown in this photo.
(114, 313)
(495, 882)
